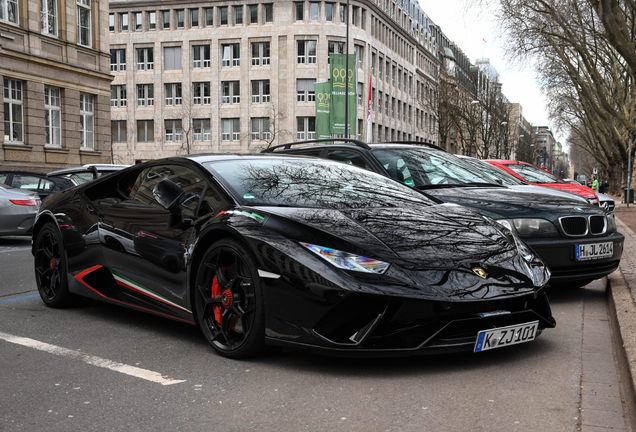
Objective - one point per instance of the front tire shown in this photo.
(50, 268)
(228, 299)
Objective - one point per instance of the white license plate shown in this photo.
(594, 251)
(505, 336)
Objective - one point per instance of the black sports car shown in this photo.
(291, 251)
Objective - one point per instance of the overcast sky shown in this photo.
(468, 29)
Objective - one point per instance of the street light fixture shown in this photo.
(470, 148)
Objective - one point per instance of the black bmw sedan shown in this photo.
(291, 251)
(577, 241)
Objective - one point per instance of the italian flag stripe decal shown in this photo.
(133, 286)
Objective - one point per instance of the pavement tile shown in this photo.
(600, 377)
(599, 389)
(604, 403)
(586, 428)
(601, 418)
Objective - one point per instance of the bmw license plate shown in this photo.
(591, 251)
(504, 336)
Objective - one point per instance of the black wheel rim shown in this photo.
(48, 259)
(227, 315)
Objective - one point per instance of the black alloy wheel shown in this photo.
(50, 268)
(229, 300)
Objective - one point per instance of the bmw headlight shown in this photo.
(530, 228)
(611, 224)
(348, 261)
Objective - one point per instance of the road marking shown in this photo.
(92, 360)
(14, 249)
(19, 298)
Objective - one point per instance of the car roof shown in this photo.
(87, 168)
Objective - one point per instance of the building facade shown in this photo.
(194, 77)
(54, 66)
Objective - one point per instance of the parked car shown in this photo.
(292, 251)
(537, 176)
(34, 182)
(85, 173)
(17, 210)
(577, 241)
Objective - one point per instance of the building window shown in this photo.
(180, 18)
(152, 20)
(335, 47)
(49, 17)
(305, 128)
(329, 12)
(260, 54)
(359, 52)
(223, 11)
(53, 115)
(253, 14)
(145, 95)
(172, 58)
(201, 56)
(194, 18)
(145, 130)
(305, 90)
(260, 91)
(165, 20)
(201, 92)
(118, 131)
(354, 15)
(138, 21)
(173, 94)
(231, 129)
(306, 52)
(269, 12)
(260, 129)
(343, 11)
(238, 15)
(123, 21)
(231, 92)
(231, 55)
(84, 22)
(117, 60)
(87, 121)
(299, 11)
(13, 109)
(111, 22)
(314, 11)
(118, 95)
(174, 131)
(9, 11)
(360, 91)
(145, 59)
(201, 129)
(209, 17)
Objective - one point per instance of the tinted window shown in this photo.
(311, 183)
(348, 157)
(3, 178)
(534, 174)
(421, 168)
(494, 172)
(21, 181)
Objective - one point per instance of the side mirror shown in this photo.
(169, 195)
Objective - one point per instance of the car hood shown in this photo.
(437, 246)
(548, 191)
(570, 187)
(505, 203)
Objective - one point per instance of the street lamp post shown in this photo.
(470, 148)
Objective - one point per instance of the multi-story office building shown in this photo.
(54, 70)
(227, 76)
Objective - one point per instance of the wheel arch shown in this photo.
(42, 219)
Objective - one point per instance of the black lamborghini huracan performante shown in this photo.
(291, 251)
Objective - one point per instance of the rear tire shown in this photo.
(228, 299)
(50, 268)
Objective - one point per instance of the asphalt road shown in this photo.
(102, 367)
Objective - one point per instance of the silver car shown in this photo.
(17, 210)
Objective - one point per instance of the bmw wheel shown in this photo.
(229, 300)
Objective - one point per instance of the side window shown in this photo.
(3, 178)
(211, 202)
(348, 157)
(46, 185)
(315, 153)
(25, 182)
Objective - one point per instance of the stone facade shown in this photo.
(36, 54)
(407, 90)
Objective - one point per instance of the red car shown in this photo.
(540, 177)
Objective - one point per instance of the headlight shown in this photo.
(611, 224)
(527, 228)
(505, 223)
(524, 250)
(348, 261)
(593, 200)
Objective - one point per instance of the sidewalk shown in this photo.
(622, 304)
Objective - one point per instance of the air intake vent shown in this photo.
(597, 224)
(574, 226)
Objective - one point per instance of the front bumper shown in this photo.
(559, 255)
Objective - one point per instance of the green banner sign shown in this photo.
(338, 74)
(323, 104)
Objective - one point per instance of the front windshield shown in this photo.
(311, 183)
(534, 174)
(495, 173)
(417, 168)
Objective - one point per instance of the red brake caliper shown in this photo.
(216, 291)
